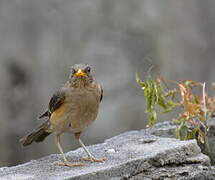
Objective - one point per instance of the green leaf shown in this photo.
(192, 134)
(177, 133)
(170, 105)
(183, 132)
(188, 83)
(152, 118)
(139, 81)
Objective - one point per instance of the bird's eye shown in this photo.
(88, 69)
(73, 71)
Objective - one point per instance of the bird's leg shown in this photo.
(90, 156)
(65, 162)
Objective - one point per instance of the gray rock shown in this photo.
(167, 129)
(163, 129)
(180, 172)
(211, 139)
(134, 158)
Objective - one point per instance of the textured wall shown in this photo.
(39, 40)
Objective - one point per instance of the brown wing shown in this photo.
(55, 102)
(42, 131)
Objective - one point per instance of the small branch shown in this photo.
(204, 101)
(167, 87)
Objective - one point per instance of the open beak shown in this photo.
(80, 73)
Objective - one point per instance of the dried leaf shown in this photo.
(196, 109)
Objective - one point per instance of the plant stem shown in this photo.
(204, 101)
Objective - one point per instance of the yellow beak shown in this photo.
(80, 73)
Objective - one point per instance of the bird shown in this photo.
(70, 110)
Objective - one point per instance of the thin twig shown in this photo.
(167, 87)
(204, 101)
(150, 68)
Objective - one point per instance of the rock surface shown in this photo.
(211, 139)
(167, 129)
(131, 155)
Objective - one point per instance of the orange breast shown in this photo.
(58, 112)
(58, 119)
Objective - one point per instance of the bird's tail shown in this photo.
(37, 135)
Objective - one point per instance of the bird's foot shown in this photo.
(67, 163)
(93, 159)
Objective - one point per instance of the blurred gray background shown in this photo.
(41, 39)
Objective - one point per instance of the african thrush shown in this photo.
(70, 110)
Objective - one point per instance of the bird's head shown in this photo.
(81, 75)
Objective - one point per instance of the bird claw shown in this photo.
(66, 163)
(93, 159)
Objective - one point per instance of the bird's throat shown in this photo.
(79, 83)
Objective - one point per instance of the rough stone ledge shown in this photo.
(132, 155)
(167, 129)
